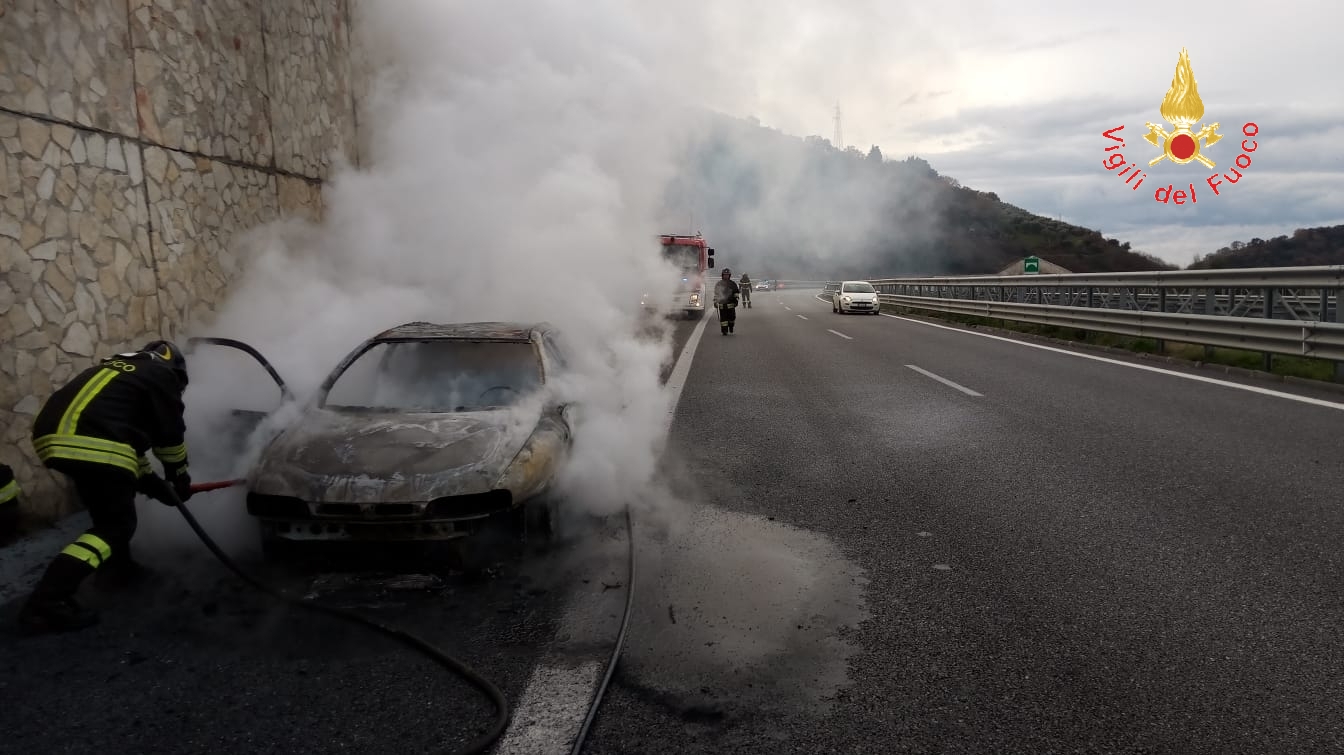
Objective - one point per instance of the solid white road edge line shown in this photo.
(1148, 368)
(838, 333)
(677, 380)
(944, 381)
(554, 702)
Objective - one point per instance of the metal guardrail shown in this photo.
(1328, 276)
(1294, 337)
(1288, 310)
(788, 284)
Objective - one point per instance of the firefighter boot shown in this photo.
(122, 572)
(52, 606)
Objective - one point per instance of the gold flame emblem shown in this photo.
(1182, 108)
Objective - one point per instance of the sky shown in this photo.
(1013, 99)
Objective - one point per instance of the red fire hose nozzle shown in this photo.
(201, 487)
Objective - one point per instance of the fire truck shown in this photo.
(692, 257)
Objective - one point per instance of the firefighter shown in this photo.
(96, 430)
(9, 504)
(725, 300)
(745, 285)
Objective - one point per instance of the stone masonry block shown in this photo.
(198, 207)
(68, 59)
(312, 111)
(201, 82)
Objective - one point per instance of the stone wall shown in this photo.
(137, 137)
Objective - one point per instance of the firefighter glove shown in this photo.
(182, 486)
(157, 488)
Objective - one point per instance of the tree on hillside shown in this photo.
(875, 154)
(1306, 246)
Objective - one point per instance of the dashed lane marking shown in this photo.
(944, 380)
(1147, 368)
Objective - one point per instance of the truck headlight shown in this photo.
(695, 298)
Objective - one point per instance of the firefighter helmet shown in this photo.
(169, 353)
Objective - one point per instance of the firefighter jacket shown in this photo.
(725, 291)
(113, 413)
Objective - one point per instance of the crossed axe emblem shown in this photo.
(1158, 137)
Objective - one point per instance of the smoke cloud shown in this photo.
(794, 207)
(515, 168)
(520, 159)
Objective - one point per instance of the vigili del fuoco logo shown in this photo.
(1183, 109)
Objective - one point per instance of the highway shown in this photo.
(880, 535)
(913, 539)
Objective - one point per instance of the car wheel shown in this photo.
(286, 553)
(541, 517)
(280, 550)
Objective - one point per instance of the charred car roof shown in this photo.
(465, 331)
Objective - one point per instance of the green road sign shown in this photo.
(1031, 265)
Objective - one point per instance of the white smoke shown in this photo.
(517, 158)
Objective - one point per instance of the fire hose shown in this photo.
(501, 703)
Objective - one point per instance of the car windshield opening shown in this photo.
(438, 376)
(684, 256)
(857, 288)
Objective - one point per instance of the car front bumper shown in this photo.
(286, 518)
(859, 306)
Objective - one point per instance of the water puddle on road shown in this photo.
(754, 614)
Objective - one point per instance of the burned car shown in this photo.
(423, 432)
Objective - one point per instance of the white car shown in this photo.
(855, 296)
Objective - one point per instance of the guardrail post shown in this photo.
(1091, 296)
(1210, 308)
(1339, 318)
(1269, 315)
(1161, 307)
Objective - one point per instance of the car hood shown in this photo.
(367, 457)
(860, 297)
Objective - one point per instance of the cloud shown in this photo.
(1029, 158)
(1029, 87)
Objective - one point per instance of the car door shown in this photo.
(239, 423)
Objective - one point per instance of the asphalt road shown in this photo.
(1008, 549)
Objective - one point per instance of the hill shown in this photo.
(1307, 246)
(776, 205)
